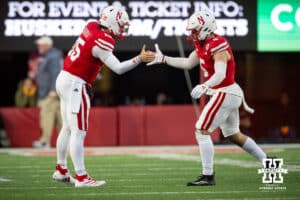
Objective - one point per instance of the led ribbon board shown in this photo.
(151, 21)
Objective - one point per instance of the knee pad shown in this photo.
(65, 128)
(202, 138)
(230, 131)
(64, 131)
(78, 132)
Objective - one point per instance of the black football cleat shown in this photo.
(204, 180)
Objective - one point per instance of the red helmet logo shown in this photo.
(119, 15)
(201, 20)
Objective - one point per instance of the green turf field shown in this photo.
(145, 177)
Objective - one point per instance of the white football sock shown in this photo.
(251, 147)
(206, 152)
(77, 151)
(62, 144)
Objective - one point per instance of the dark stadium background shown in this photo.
(262, 75)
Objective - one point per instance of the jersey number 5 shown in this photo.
(205, 72)
(75, 51)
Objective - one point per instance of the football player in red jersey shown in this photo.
(216, 60)
(93, 49)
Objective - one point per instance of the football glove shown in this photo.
(159, 57)
(198, 91)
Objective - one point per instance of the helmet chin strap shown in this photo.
(110, 32)
(203, 41)
(102, 27)
(120, 37)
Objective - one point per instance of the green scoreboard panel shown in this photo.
(278, 25)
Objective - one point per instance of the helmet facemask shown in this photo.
(123, 30)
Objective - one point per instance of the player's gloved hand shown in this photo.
(146, 56)
(159, 57)
(198, 91)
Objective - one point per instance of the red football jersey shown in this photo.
(80, 60)
(205, 54)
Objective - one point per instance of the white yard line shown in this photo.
(253, 198)
(165, 193)
(32, 188)
(222, 161)
(5, 179)
(145, 149)
(104, 166)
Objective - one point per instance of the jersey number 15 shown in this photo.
(75, 51)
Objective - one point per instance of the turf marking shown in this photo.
(168, 193)
(103, 165)
(140, 150)
(32, 188)
(253, 198)
(222, 161)
(5, 179)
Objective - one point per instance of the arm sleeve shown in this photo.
(219, 75)
(183, 63)
(55, 64)
(110, 60)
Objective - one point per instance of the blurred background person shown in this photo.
(284, 125)
(4, 140)
(33, 64)
(48, 69)
(138, 101)
(26, 94)
(162, 99)
(135, 100)
(103, 89)
(246, 123)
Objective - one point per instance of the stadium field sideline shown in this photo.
(149, 173)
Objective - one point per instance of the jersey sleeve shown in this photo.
(105, 43)
(218, 44)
